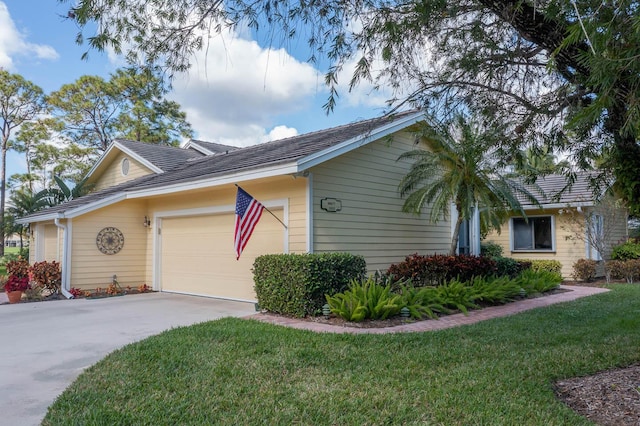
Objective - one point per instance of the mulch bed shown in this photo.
(337, 321)
(609, 398)
(392, 322)
(54, 296)
(60, 296)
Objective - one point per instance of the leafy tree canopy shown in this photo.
(21, 102)
(560, 73)
(129, 105)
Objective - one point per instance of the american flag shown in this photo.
(248, 212)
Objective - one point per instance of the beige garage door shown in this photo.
(197, 255)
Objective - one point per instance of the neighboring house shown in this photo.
(13, 240)
(567, 228)
(165, 216)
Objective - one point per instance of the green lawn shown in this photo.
(7, 250)
(236, 372)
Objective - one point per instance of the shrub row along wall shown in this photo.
(296, 284)
(628, 251)
(539, 265)
(628, 270)
(439, 269)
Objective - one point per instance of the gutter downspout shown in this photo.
(64, 285)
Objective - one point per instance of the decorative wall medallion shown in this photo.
(110, 240)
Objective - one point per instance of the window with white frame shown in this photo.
(595, 235)
(464, 238)
(534, 233)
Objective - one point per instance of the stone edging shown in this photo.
(448, 321)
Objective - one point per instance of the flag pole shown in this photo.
(270, 212)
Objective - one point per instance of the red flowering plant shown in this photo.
(16, 283)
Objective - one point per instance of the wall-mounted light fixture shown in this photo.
(304, 173)
(147, 222)
(330, 205)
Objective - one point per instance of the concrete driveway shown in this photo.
(44, 346)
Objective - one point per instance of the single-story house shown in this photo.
(164, 216)
(13, 240)
(564, 226)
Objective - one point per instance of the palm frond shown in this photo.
(457, 166)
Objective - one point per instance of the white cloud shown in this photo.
(236, 89)
(13, 42)
(281, 132)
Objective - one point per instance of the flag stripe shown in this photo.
(248, 213)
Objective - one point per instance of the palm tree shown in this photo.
(536, 161)
(24, 202)
(457, 166)
(63, 193)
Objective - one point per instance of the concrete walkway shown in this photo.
(572, 293)
(44, 346)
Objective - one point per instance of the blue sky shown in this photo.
(239, 93)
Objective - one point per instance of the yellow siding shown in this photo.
(615, 224)
(198, 256)
(134, 264)
(264, 190)
(52, 245)
(371, 222)
(45, 243)
(89, 267)
(569, 247)
(113, 173)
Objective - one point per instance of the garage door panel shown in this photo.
(198, 256)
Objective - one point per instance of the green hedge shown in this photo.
(490, 249)
(627, 251)
(509, 267)
(539, 265)
(296, 284)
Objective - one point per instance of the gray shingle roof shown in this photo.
(268, 154)
(216, 148)
(162, 156)
(549, 190)
(92, 197)
(194, 168)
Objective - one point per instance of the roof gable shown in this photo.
(286, 156)
(156, 158)
(209, 148)
(161, 156)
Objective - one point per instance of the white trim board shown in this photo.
(309, 217)
(116, 144)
